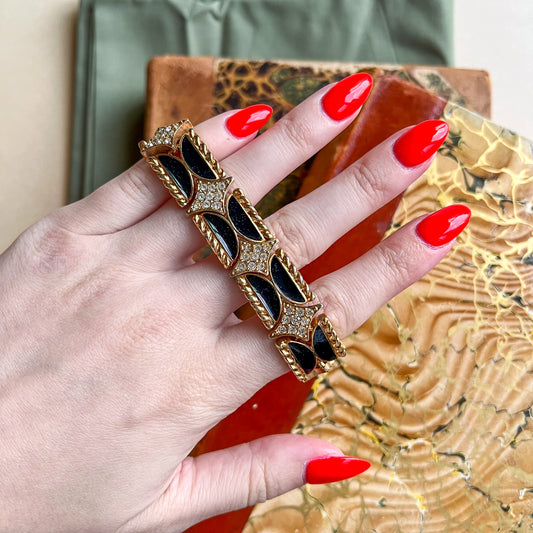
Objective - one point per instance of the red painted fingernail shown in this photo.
(420, 142)
(248, 120)
(443, 226)
(334, 468)
(347, 96)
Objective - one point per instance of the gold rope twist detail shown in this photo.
(204, 150)
(294, 272)
(334, 340)
(213, 242)
(289, 359)
(172, 188)
(259, 308)
(254, 215)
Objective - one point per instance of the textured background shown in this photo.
(37, 61)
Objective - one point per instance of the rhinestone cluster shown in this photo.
(209, 195)
(295, 321)
(164, 135)
(254, 257)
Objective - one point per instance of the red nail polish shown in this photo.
(334, 468)
(443, 226)
(248, 120)
(420, 142)
(347, 96)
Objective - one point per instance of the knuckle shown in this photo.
(369, 183)
(134, 184)
(337, 305)
(292, 237)
(296, 134)
(51, 248)
(262, 484)
(396, 262)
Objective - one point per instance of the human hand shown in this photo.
(120, 352)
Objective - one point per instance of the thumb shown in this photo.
(241, 476)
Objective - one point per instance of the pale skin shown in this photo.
(119, 352)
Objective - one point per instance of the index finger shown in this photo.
(135, 194)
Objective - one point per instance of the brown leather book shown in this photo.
(197, 88)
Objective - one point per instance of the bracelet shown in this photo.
(246, 247)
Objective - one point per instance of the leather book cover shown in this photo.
(197, 88)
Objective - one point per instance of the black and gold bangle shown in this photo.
(246, 247)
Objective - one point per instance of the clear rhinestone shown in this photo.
(200, 196)
(251, 265)
(209, 196)
(221, 185)
(217, 206)
(206, 204)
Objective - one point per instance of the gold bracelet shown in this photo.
(245, 246)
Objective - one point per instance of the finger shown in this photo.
(241, 476)
(136, 193)
(349, 295)
(262, 164)
(353, 293)
(297, 136)
(309, 226)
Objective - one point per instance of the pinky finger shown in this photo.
(353, 293)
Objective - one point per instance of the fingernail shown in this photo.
(248, 120)
(347, 96)
(420, 142)
(443, 226)
(334, 468)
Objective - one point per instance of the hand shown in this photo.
(119, 352)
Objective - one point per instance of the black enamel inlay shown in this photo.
(179, 174)
(322, 346)
(284, 281)
(195, 161)
(241, 221)
(225, 235)
(303, 356)
(267, 294)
